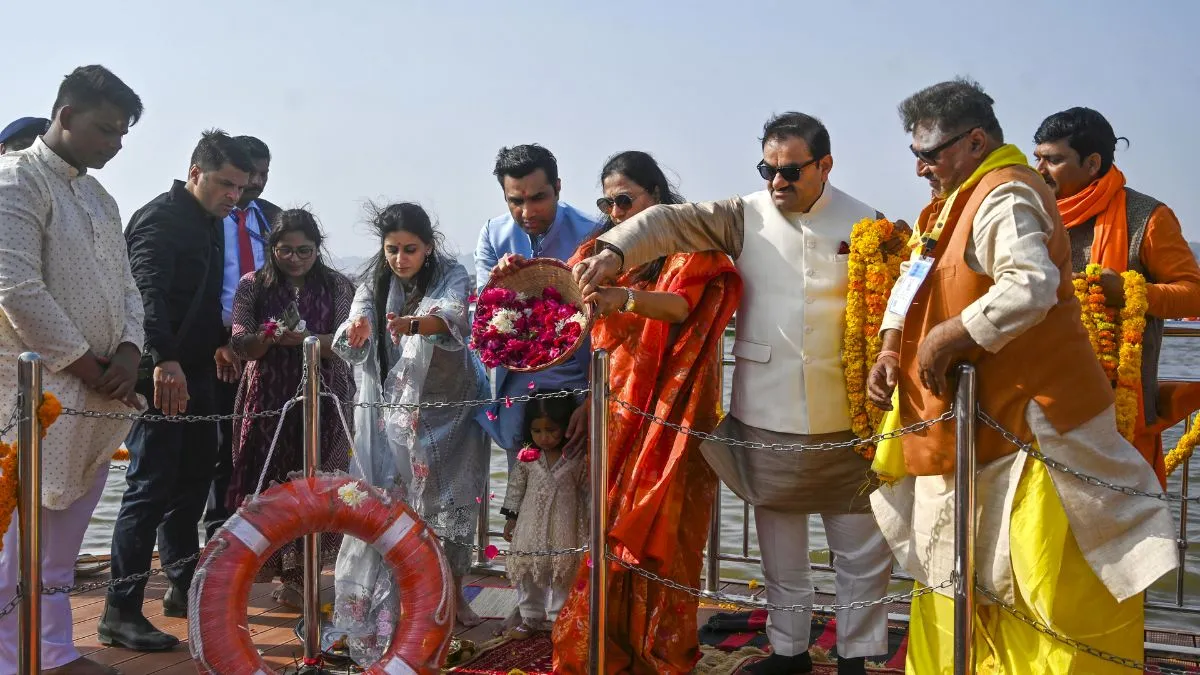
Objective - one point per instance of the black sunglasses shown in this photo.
(622, 200)
(930, 156)
(790, 173)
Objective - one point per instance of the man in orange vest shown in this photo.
(989, 283)
(1121, 229)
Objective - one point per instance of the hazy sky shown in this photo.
(411, 100)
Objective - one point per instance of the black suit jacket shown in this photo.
(168, 240)
(270, 211)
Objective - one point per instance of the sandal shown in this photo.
(521, 632)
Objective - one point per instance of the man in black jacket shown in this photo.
(246, 229)
(176, 245)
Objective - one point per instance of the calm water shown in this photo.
(1180, 360)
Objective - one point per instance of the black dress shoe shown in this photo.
(175, 603)
(854, 666)
(776, 664)
(129, 629)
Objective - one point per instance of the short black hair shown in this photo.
(952, 106)
(798, 125)
(254, 147)
(521, 160)
(216, 149)
(89, 87)
(1086, 132)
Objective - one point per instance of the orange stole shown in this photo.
(661, 489)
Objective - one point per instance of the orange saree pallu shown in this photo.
(660, 488)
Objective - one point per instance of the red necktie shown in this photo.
(245, 251)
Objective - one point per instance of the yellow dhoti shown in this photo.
(1054, 585)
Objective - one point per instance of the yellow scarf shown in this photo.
(889, 454)
(1005, 155)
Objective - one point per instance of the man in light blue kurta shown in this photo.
(537, 225)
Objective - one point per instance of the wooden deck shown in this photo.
(271, 625)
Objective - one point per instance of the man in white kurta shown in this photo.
(67, 294)
(790, 244)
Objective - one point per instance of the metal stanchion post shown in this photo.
(599, 547)
(29, 473)
(312, 543)
(964, 521)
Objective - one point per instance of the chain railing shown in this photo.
(963, 567)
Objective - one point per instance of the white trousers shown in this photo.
(862, 565)
(539, 600)
(62, 535)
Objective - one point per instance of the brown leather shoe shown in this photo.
(82, 666)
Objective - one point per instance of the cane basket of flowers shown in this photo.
(531, 319)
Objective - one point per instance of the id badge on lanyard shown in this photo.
(908, 284)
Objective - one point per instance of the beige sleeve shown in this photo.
(1009, 239)
(680, 228)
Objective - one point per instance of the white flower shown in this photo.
(302, 326)
(577, 317)
(351, 495)
(503, 320)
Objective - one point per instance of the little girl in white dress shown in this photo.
(546, 505)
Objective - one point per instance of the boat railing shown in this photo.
(964, 412)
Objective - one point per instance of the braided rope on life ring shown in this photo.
(218, 629)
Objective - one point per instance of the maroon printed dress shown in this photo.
(269, 382)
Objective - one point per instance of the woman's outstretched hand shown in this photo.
(358, 332)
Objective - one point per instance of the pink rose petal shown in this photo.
(491, 552)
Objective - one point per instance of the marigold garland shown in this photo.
(871, 274)
(1116, 337)
(1182, 451)
(48, 412)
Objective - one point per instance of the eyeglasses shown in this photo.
(606, 204)
(301, 252)
(930, 156)
(790, 173)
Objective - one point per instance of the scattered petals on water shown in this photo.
(491, 551)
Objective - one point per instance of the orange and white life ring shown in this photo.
(217, 621)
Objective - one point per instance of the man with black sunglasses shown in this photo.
(990, 283)
(791, 245)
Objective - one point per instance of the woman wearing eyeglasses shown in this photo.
(662, 324)
(293, 296)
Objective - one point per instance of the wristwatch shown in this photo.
(629, 304)
(414, 327)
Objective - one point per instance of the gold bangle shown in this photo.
(629, 301)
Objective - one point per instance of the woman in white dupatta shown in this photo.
(410, 316)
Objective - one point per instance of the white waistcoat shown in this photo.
(790, 322)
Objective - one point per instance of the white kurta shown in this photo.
(1126, 540)
(65, 288)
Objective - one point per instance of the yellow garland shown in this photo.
(871, 274)
(1182, 451)
(1116, 337)
(48, 412)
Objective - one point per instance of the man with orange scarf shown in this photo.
(1120, 229)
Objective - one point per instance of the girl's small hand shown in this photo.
(358, 332)
(509, 526)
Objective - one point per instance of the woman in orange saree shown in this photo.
(662, 325)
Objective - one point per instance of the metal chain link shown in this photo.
(790, 447)
(12, 604)
(1028, 449)
(83, 588)
(8, 426)
(517, 554)
(763, 604)
(178, 419)
(474, 402)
